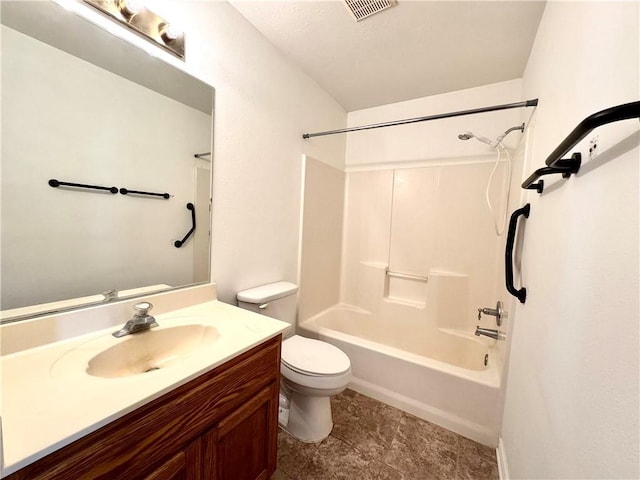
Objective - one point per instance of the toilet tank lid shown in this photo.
(266, 293)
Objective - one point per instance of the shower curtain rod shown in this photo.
(506, 106)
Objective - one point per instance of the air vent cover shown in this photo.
(362, 9)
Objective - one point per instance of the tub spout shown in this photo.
(488, 332)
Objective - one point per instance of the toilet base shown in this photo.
(309, 418)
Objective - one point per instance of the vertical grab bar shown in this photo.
(179, 243)
(520, 294)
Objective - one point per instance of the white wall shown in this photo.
(263, 106)
(60, 244)
(572, 396)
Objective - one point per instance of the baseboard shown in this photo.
(503, 467)
(456, 424)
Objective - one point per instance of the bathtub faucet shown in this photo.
(488, 332)
(495, 312)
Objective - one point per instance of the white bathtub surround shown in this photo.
(321, 235)
(432, 145)
(421, 221)
(435, 375)
(414, 212)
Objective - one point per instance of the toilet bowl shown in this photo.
(312, 371)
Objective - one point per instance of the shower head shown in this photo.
(468, 135)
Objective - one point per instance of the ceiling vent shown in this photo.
(362, 9)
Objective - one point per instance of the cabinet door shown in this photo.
(185, 465)
(246, 440)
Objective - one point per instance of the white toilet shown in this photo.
(312, 371)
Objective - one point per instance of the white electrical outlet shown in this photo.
(593, 146)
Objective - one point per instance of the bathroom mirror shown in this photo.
(82, 106)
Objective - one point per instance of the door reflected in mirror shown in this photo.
(82, 106)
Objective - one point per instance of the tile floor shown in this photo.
(374, 441)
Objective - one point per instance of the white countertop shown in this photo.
(49, 401)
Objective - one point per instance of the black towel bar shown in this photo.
(567, 167)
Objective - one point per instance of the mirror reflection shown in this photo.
(82, 106)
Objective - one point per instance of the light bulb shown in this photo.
(129, 8)
(169, 32)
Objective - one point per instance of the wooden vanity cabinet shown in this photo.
(220, 426)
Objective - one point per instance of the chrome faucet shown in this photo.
(110, 295)
(140, 321)
(488, 332)
(495, 312)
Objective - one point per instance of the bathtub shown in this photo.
(442, 376)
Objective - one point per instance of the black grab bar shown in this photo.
(126, 191)
(567, 167)
(56, 183)
(179, 243)
(520, 294)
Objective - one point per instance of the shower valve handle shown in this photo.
(494, 312)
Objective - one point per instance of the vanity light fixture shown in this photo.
(143, 21)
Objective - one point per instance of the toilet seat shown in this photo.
(307, 356)
(318, 383)
(314, 364)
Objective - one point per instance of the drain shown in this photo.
(486, 359)
(158, 368)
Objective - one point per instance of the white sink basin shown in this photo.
(152, 350)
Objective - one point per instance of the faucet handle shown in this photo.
(142, 308)
(498, 312)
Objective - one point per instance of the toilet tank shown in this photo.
(277, 300)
